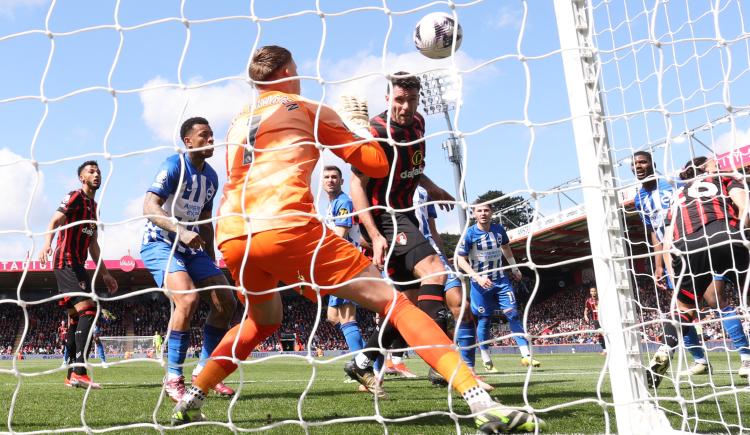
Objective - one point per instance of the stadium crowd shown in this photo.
(549, 321)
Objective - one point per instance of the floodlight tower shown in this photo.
(440, 94)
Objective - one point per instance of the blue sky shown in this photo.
(138, 124)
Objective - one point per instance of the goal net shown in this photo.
(538, 113)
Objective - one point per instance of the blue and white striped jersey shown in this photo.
(186, 200)
(424, 212)
(336, 216)
(483, 249)
(653, 206)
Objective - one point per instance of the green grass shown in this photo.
(271, 391)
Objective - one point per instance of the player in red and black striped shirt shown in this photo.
(413, 256)
(704, 226)
(74, 243)
(591, 312)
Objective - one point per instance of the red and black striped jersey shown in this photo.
(73, 242)
(704, 201)
(592, 305)
(409, 166)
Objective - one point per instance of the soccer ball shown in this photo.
(433, 35)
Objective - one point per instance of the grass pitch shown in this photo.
(270, 399)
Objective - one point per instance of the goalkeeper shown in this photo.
(267, 212)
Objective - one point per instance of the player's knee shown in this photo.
(511, 314)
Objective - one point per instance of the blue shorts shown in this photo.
(451, 280)
(334, 301)
(484, 302)
(155, 256)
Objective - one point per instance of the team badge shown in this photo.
(82, 285)
(401, 239)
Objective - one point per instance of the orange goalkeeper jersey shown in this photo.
(271, 154)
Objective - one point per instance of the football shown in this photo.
(433, 35)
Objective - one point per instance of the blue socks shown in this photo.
(352, 335)
(483, 332)
(211, 338)
(467, 336)
(693, 344)
(517, 328)
(178, 343)
(100, 351)
(733, 326)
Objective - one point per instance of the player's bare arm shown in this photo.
(361, 203)
(436, 193)
(58, 219)
(484, 281)
(508, 254)
(658, 260)
(341, 231)
(95, 253)
(152, 208)
(207, 233)
(436, 237)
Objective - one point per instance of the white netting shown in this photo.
(114, 80)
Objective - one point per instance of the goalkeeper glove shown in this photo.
(353, 111)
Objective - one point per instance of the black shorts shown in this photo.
(410, 246)
(710, 251)
(72, 278)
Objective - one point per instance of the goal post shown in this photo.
(634, 411)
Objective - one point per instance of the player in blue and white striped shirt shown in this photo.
(184, 189)
(480, 255)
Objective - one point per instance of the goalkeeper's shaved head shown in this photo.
(267, 61)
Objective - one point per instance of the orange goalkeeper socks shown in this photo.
(250, 335)
(418, 329)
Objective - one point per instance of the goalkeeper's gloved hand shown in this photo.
(107, 315)
(353, 111)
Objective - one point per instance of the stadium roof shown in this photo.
(564, 235)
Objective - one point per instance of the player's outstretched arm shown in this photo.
(739, 198)
(436, 193)
(95, 252)
(58, 219)
(152, 209)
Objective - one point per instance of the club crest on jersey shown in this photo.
(417, 158)
(82, 285)
(401, 239)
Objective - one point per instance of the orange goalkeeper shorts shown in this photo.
(286, 255)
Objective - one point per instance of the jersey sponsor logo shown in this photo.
(89, 229)
(412, 173)
(417, 158)
(401, 239)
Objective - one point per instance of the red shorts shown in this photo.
(286, 255)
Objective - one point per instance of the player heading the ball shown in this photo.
(267, 212)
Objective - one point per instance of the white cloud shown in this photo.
(19, 176)
(506, 17)
(118, 240)
(163, 107)
(729, 141)
(8, 6)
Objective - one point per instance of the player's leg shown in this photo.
(86, 309)
(507, 301)
(431, 297)
(731, 323)
(466, 329)
(347, 314)
(70, 342)
(483, 304)
(434, 347)
(222, 304)
(600, 337)
(100, 349)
